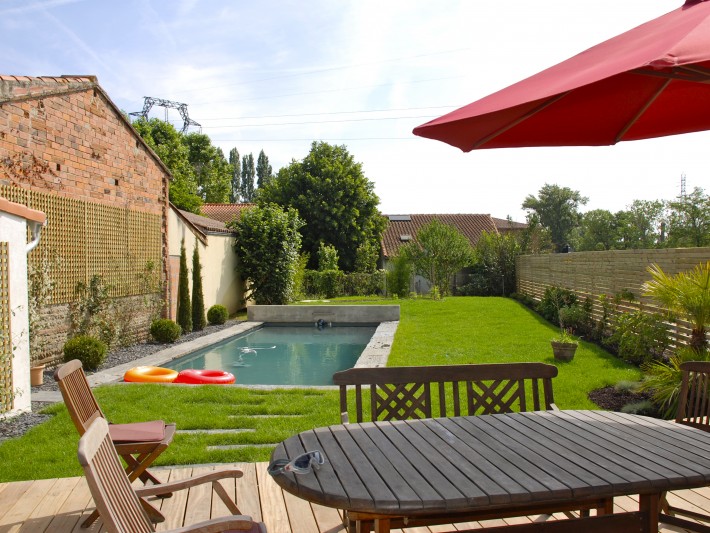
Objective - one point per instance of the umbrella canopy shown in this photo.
(651, 81)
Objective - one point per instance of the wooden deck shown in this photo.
(60, 505)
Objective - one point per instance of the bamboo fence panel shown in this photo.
(591, 274)
(6, 384)
(83, 239)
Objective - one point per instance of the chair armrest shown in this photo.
(227, 523)
(180, 484)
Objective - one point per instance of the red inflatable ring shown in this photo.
(192, 376)
(150, 374)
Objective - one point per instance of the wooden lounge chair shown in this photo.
(139, 444)
(121, 506)
(400, 393)
(694, 411)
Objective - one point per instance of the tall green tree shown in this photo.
(333, 197)
(267, 241)
(557, 209)
(689, 220)
(211, 168)
(264, 172)
(438, 252)
(597, 230)
(248, 173)
(184, 306)
(494, 262)
(167, 143)
(236, 182)
(639, 226)
(198, 299)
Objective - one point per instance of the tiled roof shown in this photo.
(224, 212)
(205, 224)
(503, 224)
(402, 228)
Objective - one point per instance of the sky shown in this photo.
(278, 75)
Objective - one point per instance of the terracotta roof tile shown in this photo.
(503, 224)
(224, 212)
(205, 224)
(401, 226)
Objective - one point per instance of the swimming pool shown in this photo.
(283, 355)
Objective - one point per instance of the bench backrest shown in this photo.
(400, 393)
(694, 397)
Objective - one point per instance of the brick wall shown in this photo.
(65, 136)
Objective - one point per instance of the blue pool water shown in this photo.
(283, 355)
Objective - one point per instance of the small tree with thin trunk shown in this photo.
(198, 299)
(184, 308)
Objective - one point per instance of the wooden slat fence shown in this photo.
(591, 274)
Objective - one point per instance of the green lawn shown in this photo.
(448, 331)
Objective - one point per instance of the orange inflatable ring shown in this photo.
(193, 376)
(150, 374)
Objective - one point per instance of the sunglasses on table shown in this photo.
(303, 464)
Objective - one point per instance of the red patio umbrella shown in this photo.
(651, 81)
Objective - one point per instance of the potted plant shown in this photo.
(564, 345)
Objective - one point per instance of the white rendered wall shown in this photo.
(13, 231)
(221, 283)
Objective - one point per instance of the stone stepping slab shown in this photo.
(241, 446)
(214, 431)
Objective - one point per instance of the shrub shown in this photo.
(643, 408)
(553, 300)
(198, 299)
(576, 317)
(184, 305)
(165, 330)
(87, 349)
(217, 314)
(399, 277)
(640, 337)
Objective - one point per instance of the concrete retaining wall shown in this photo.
(330, 313)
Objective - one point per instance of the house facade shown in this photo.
(67, 150)
(402, 229)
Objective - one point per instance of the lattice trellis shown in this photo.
(6, 395)
(83, 239)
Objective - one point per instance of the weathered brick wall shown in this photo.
(55, 324)
(65, 136)
(76, 144)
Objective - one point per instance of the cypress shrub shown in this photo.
(198, 299)
(184, 308)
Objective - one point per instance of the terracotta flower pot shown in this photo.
(37, 375)
(564, 351)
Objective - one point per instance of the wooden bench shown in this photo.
(401, 393)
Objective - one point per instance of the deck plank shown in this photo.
(60, 505)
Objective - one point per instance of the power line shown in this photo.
(331, 90)
(328, 69)
(315, 122)
(335, 113)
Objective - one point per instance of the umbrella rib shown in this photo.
(520, 119)
(641, 111)
(687, 73)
